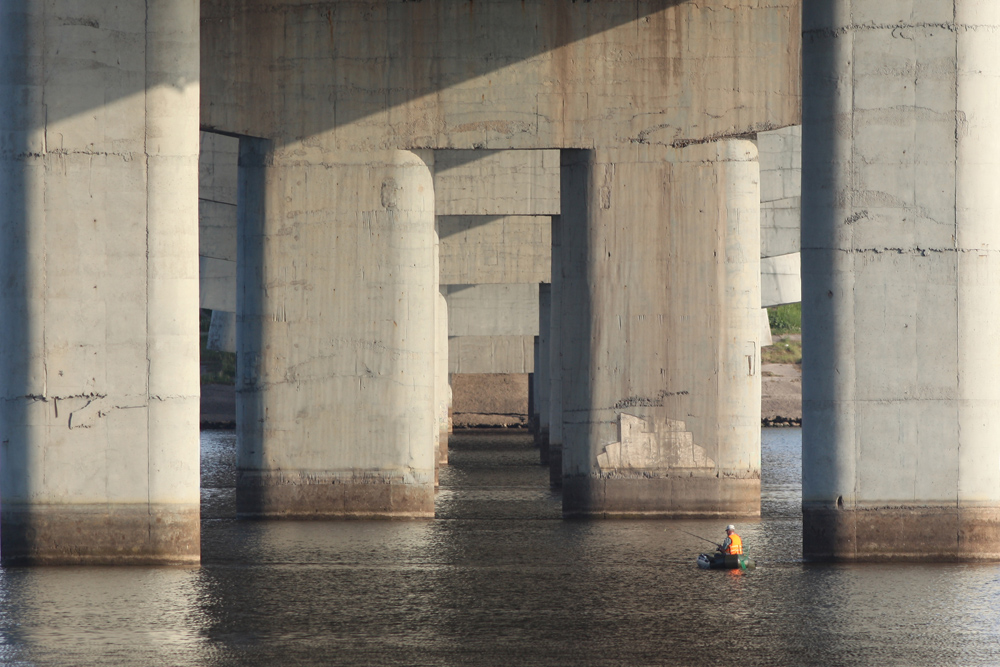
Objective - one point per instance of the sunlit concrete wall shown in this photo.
(900, 257)
(99, 263)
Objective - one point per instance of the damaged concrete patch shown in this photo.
(659, 443)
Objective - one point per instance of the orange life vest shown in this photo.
(735, 545)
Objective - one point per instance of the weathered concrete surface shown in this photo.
(780, 280)
(99, 337)
(335, 389)
(217, 185)
(780, 156)
(499, 75)
(491, 354)
(900, 252)
(490, 183)
(555, 436)
(217, 284)
(495, 249)
(627, 385)
(492, 309)
(222, 331)
(542, 373)
(442, 387)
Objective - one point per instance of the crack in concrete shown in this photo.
(896, 28)
(923, 252)
(745, 133)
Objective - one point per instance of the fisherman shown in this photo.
(733, 544)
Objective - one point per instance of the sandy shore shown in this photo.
(781, 395)
(781, 399)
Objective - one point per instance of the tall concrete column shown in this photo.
(336, 317)
(659, 311)
(555, 360)
(900, 257)
(542, 368)
(442, 388)
(99, 263)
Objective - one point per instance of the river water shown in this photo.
(499, 579)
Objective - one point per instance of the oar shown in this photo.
(698, 536)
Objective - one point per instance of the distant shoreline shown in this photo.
(781, 402)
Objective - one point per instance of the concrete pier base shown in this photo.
(555, 466)
(280, 496)
(901, 534)
(122, 534)
(676, 497)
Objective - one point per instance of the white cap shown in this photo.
(730, 527)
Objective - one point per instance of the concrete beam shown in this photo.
(217, 284)
(492, 310)
(565, 75)
(495, 249)
(780, 280)
(483, 182)
(491, 354)
(780, 157)
(222, 331)
(900, 250)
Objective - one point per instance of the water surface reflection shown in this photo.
(498, 578)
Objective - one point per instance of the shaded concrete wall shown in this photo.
(217, 184)
(900, 258)
(99, 262)
(780, 158)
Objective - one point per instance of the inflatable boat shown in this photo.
(725, 562)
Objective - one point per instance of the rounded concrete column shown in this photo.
(442, 388)
(542, 373)
(900, 253)
(660, 307)
(555, 438)
(336, 333)
(99, 311)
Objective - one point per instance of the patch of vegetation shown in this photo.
(216, 367)
(784, 350)
(785, 319)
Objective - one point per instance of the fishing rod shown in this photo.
(693, 535)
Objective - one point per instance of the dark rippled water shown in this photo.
(499, 579)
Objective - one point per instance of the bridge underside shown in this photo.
(355, 119)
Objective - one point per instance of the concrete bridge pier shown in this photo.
(900, 259)
(543, 366)
(660, 308)
(336, 338)
(555, 439)
(442, 387)
(99, 376)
